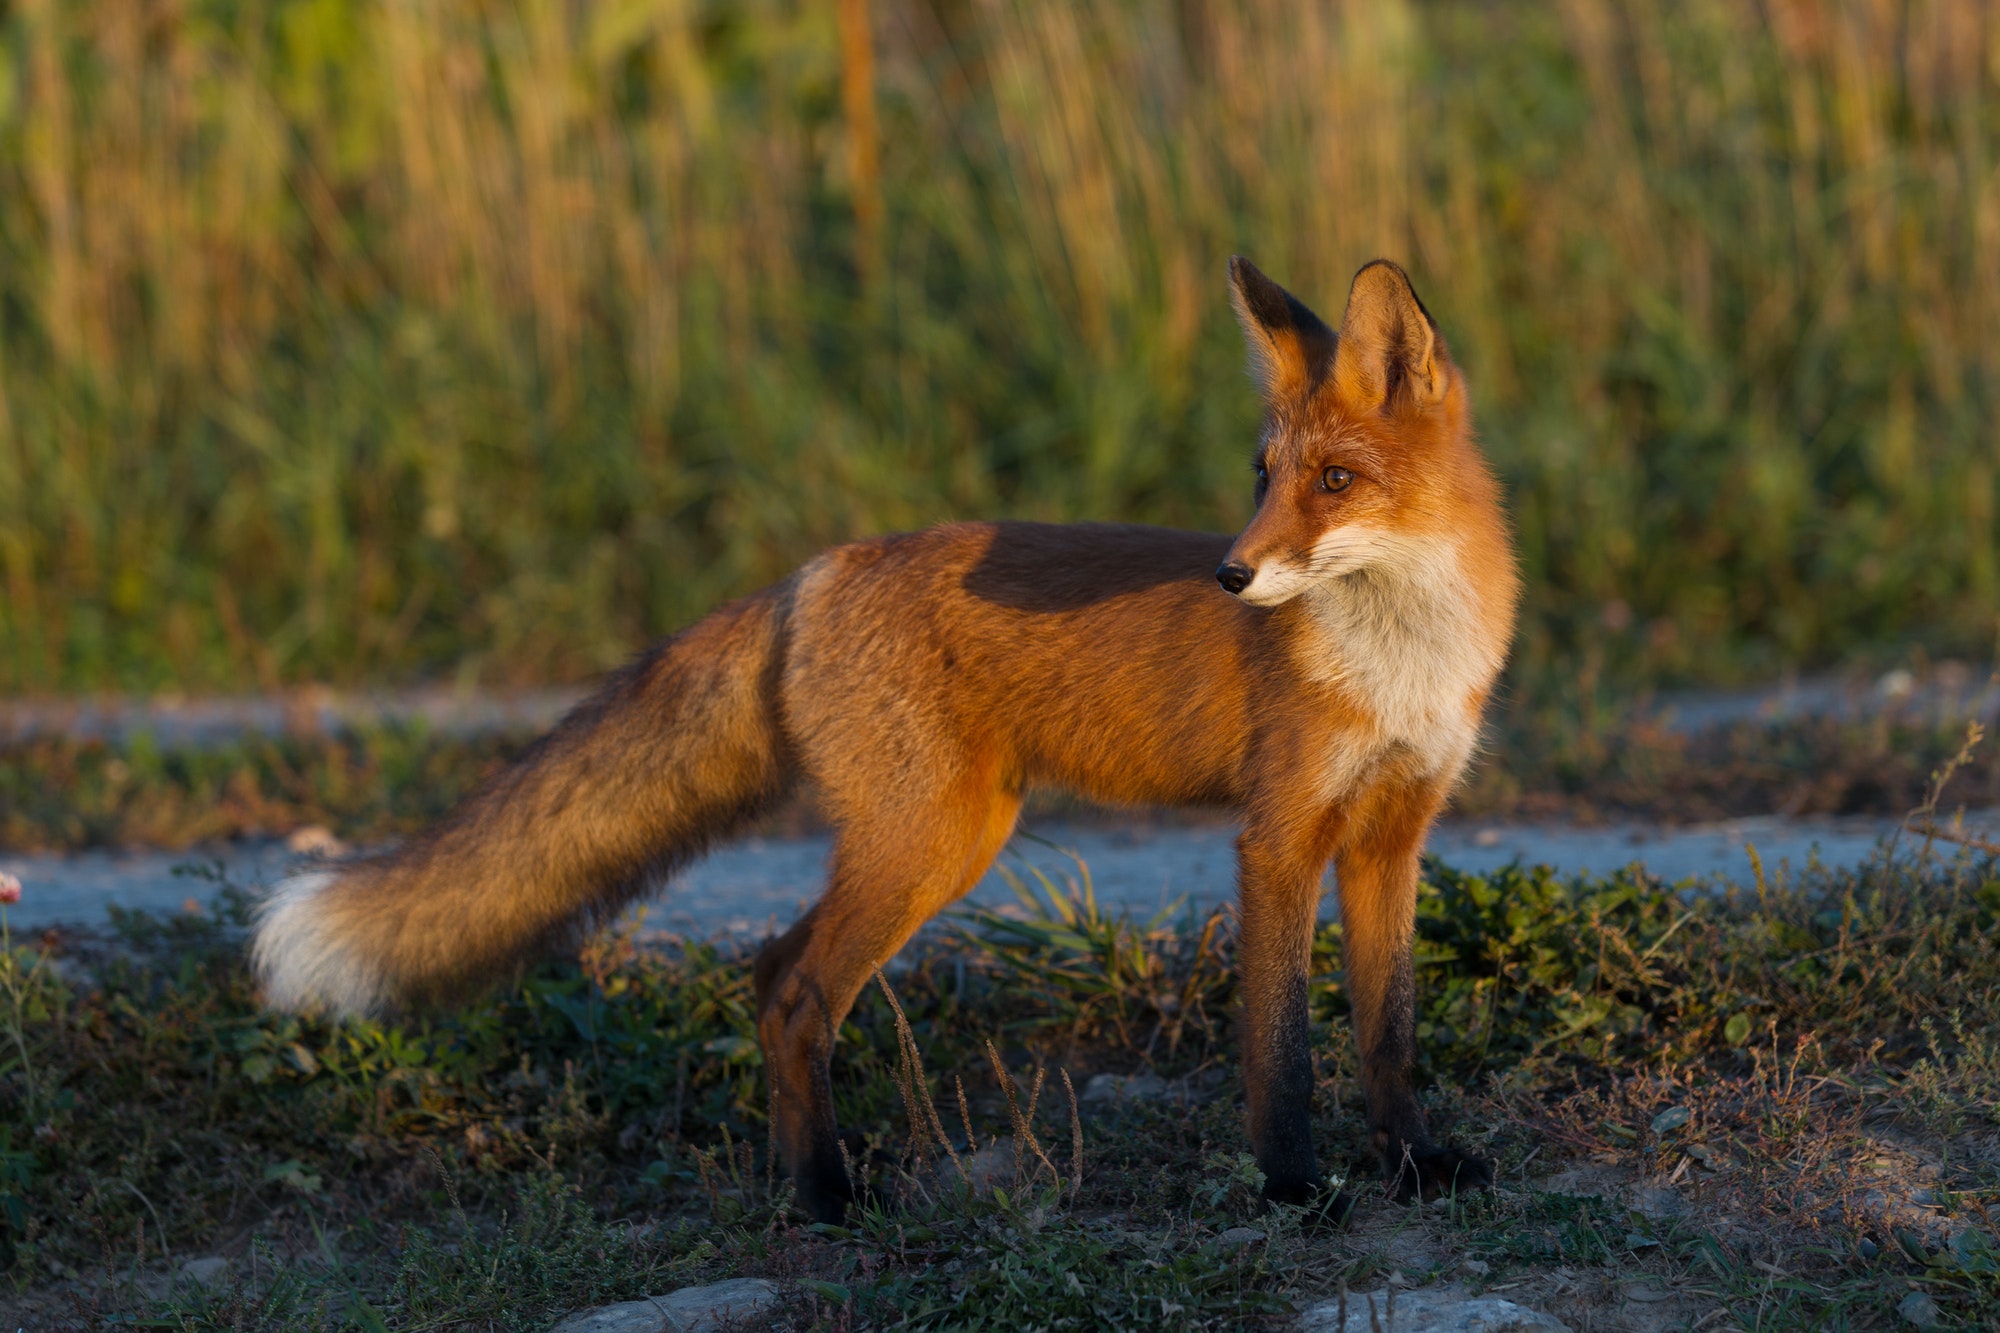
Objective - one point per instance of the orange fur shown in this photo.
(922, 683)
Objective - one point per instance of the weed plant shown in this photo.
(362, 341)
(1807, 1065)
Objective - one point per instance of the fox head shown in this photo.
(1366, 460)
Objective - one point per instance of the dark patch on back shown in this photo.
(1065, 567)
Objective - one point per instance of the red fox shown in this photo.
(1330, 689)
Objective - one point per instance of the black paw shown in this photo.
(1426, 1171)
(1298, 1191)
(1324, 1208)
(824, 1193)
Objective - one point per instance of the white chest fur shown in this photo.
(1404, 637)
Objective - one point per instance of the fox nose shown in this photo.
(1235, 576)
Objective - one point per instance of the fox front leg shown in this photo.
(1280, 888)
(1378, 873)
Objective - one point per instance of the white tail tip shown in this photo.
(301, 958)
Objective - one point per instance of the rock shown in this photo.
(1111, 1089)
(1432, 1310)
(624, 1317)
(689, 1310)
(1237, 1238)
(1587, 1182)
(990, 1166)
(206, 1272)
(312, 840)
(1919, 1310)
(1971, 1245)
(1656, 1204)
(1671, 1119)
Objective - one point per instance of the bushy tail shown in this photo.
(672, 753)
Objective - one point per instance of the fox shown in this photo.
(1324, 674)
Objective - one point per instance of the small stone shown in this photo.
(1971, 1245)
(312, 840)
(206, 1272)
(1477, 1267)
(624, 1317)
(1111, 1089)
(992, 1165)
(1657, 1204)
(1898, 683)
(1919, 1310)
(1432, 1310)
(689, 1310)
(1671, 1119)
(1237, 1238)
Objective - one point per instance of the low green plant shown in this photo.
(597, 1129)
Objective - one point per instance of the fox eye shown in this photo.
(1263, 474)
(1336, 479)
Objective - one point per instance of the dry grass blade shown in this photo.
(1923, 819)
(915, 1086)
(1025, 1141)
(1932, 832)
(1075, 1140)
(965, 1115)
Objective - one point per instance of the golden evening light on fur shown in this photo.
(1330, 689)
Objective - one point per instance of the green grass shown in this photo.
(353, 342)
(1793, 1062)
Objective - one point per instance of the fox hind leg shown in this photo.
(892, 871)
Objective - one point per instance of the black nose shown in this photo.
(1234, 576)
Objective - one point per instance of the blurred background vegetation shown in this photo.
(364, 342)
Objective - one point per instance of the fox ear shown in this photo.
(1390, 354)
(1290, 346)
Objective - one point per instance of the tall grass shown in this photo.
(362, 340)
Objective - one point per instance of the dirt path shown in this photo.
(751, 888)
(760, 885)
